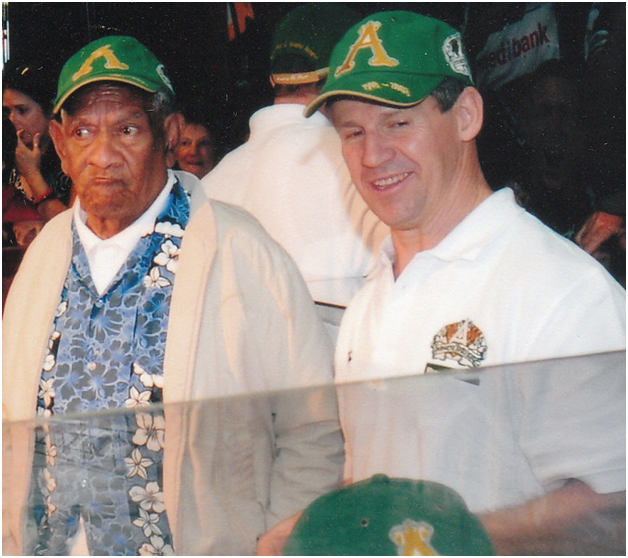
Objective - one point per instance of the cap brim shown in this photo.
(354, 87)
(299, 78)
(108, 77)
(322, 99)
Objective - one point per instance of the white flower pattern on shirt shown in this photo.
(61, 379)
(137, 464)
(151, 431)
(150, 498)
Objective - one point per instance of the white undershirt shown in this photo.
(106, 256)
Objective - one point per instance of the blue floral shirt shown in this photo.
(106, 352)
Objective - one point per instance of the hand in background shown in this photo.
(272, 542)
(598, 229)
(28, 160)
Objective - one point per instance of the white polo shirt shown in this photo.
(500, 288)
(291, 176)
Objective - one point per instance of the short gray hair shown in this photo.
(447, 92)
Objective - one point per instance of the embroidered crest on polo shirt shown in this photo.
(462, 342)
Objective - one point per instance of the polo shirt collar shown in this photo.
(468, 239)
(480, 227)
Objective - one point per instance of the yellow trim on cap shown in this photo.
(299, 78)
(316, 103)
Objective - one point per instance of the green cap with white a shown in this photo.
(395, 58)
(389, 517)
(113, 58)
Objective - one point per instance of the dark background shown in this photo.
(190, 38)
(228, 78)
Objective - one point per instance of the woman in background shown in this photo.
(34, 188)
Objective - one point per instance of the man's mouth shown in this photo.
(383, 183)
(104, 181)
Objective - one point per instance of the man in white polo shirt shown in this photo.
(467, 279)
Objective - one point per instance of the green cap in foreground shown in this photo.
(395, 58)
(389, 517)
(113, 58)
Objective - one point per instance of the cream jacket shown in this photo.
(244, 448)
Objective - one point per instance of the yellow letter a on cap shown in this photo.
(111, 62)
(368, 39)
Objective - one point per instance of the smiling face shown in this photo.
(403, 161)
(195, 152)
(25, 115)
(108, 149)
(416, 168)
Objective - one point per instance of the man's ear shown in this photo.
(173, 124)
(470, 111)
(55, 130)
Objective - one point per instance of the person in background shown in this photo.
(144, 292)
(551, 180)
(604, 234)
(196, 150)
(290, 173)
(468, 279)
(34, 187)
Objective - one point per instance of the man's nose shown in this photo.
(104, 152)
(376, 150)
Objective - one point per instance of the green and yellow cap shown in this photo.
(113, 58)
(310, 32)
(396, 58)
(389, 517)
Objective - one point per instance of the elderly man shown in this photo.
(146, 292)
(467, 279)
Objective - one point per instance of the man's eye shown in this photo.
(81, 133)
(129, 130)
(352, 134)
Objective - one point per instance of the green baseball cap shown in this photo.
(396, 58)
(113, 58)
(389, 517)
(310, 31)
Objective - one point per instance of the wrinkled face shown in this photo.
(25, 115)
(109, 151)
(401, 160)
(195, 152)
